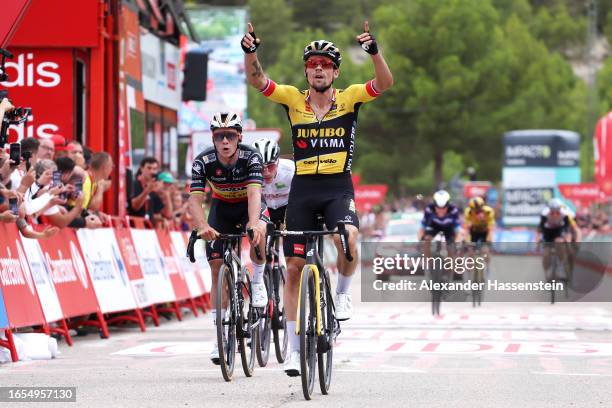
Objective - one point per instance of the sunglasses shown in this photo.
(230, 136)
(323, 62)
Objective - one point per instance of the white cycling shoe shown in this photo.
(259, 297)
(292, 365)
(344, 306)
(214, 355)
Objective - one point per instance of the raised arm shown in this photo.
(255, 75)
(383, 79)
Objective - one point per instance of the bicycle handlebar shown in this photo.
(194, 237)
(340, 231)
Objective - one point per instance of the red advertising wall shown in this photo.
(20, 296)
(43, 80)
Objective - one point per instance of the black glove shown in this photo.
(372, 48)
(192, 240)
(253, 48)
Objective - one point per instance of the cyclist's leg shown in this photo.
(299, 217)
(343, 209)
(548, 238)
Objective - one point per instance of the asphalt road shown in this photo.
(396, 354)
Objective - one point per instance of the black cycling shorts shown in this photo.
(551, 234)
(277, 216)
(228, 218)
(332, 196)
(449, 232)
(478, 236)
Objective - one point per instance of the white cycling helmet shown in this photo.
(268, 148)
(555, 204)
(441, 198)
(226, 120)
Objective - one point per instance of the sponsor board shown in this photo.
(107, 269)
(42, 279)
(153, 266)
(192, 278)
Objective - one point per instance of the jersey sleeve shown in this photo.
(198, 177)
(282, 94)
(255, 168)
(361, 93)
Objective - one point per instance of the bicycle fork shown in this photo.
(315, 270)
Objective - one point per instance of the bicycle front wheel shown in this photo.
(265, 323)
(325, 346)
(226, 325)
(248, 328)
(279, 318)
(308, 337)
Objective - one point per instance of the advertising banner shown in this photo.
(42, 279)
(18, 288)
(220, 29)
(157, 281)
(581, 194)
(541, 148)
(369, 194)
(192, 277)
(524, 205)
(603, 154)
(132, 266)
(43, 80)
(69, 274)
(107, 269)
(172, 265)
(160, 71)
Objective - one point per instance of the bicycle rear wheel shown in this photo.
(246, 323)
(553, 277)
(226, 326)
(325, 345)
(265, 323)
(308, 338)
(279, 319)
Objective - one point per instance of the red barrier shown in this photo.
(71, 279)
(21, 299)
(126, 247)
(183, 297)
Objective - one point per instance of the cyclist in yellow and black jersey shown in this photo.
(478, 225)
(323, 124)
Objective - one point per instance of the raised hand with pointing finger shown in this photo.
(250, 42)
(367, 40)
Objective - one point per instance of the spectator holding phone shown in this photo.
(149, 199)
(27, 159)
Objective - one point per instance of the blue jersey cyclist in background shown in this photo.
(233, 171)
(323, 123)
(440, 216)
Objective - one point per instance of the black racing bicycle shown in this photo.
(274, 319)
(316, 320)
(241, 320)
(477, 274)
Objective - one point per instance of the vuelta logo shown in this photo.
(79, 265)
(298, 249)
(218, 172)
(301, 144)
(25, 266)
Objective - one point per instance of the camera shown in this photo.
(18, 115)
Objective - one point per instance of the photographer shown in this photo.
(5, 106)
(149, 198)
(23, 175)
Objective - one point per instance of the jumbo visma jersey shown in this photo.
(324, 147)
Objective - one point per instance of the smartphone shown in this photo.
(78, 187)
(15, 153)
(57, 178)
(13, 207)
